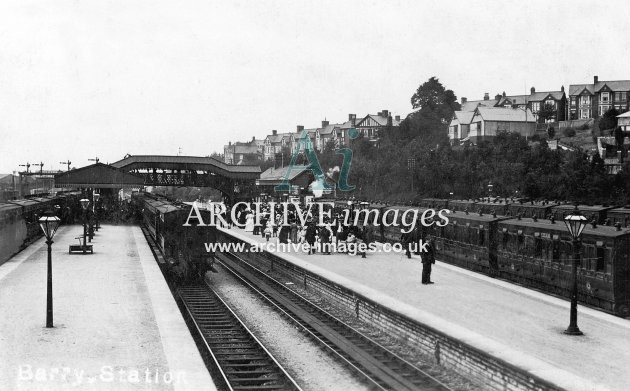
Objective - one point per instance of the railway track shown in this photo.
(381, 368)
(242, 360)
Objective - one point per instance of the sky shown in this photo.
(86, 79)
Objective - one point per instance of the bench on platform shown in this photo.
(80, 247)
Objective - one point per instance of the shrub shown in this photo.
(569, 132)
(583, 127)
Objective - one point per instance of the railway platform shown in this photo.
(116, 324)
(518, 325)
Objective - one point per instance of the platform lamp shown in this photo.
(49, 225)
(575, 223)
(96, 196)
(84, 204)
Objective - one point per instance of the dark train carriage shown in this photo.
(531, 209)
(619, 216)
(462, 205)
(497, 206)
(31, 212)
(468, 240)
(538, 254)
(433, 203)
(392, 232)
(598, 212)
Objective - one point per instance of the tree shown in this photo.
(608, 120)
(547, 112)
(431, 95)
(551, 132)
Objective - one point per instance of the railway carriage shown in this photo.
(531, 209)
(462, 205)
(597, 212)
(538, 254)
(468, 240)
(619, 215)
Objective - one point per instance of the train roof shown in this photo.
(475, 217)
(583, 208)
(8, 206)
(621, 210)
(543, 224)
(25, 202)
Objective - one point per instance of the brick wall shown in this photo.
(493, 373)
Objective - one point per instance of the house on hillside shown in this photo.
(593, 100)
(487, 122)
(372, 125)
(460, 125)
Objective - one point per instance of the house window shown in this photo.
(573, 101)
(620, 96)
(603, 109)
(585, 100)
(621, 108)
(584, 114)
(604, 97)
(535, 107)
(503, 126)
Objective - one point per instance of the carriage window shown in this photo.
(482, 237)
(505, 239)
(555, 251)
(538, 246)
(601, 259)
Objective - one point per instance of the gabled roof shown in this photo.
(276, 138)
(98, 175)
(328, 129)
(505, 114)
(275, 176)
(614, 85)
(379, 119)
(464, 117)
(246, 149)
(471, 105)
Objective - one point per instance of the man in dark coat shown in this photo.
(311, 237)
(283, 235)
(324, 234)
(406, 239)
(428, 259)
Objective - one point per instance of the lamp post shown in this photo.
(84, 204)
(49, 225)
(575, 223)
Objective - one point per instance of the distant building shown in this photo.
(298, 179)
(593, 100)
(274, 144)
(460, 125)
(233, 153)
(536, 101)
(487, 122)
(471, 105)
(372, 125)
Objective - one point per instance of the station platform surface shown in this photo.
(519, 325)
(116, 324)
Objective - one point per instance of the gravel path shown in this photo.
(311, 367)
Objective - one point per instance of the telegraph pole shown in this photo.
(68, 163)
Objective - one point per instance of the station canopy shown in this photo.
(99, 175)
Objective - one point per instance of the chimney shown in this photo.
(300, 128)
(486, 96)
(464, 100)
(352, 118)
(253, 139)
(324, 124)
(397, 118)
(504, 94)
(389, 120)
(385, 113)
(497, 97)
(532, 90)
(562, 88)
(595, 79)
(274, 132)
(229, 143)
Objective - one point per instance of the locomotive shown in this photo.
(182, 247)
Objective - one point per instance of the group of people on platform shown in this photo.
(322, 235)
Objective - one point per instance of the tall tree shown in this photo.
(433, 96)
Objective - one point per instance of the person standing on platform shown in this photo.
(428, 259)
(325, 234)
(294, 232)
(311, 237)
(405, 239)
